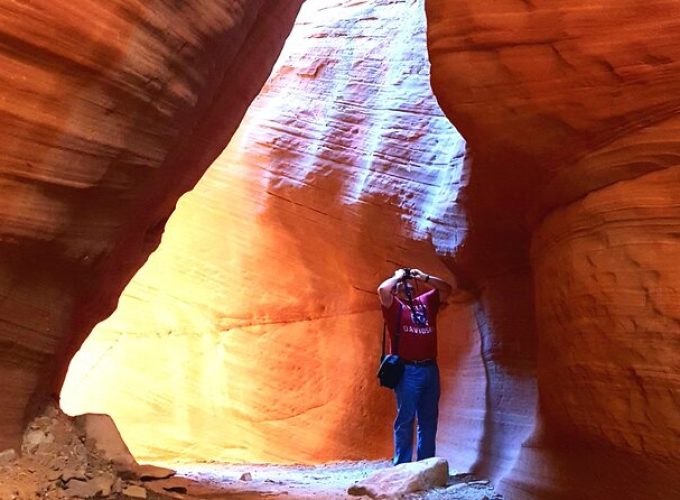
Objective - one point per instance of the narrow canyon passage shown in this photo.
(252, 333)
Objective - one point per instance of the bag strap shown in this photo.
(396, 334)
(382, 354)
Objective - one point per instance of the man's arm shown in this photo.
(388, 287)
(444, 287)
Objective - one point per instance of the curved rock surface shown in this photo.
(571, 112)
(253, 332)
(108, 113)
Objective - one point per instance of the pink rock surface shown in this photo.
(570, 111)
(110, 111)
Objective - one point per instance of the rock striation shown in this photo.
(570, 113)
(108, 113)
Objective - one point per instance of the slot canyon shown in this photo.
(199, 200)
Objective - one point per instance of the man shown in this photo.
(411, 320)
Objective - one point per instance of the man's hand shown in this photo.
(435, 282)
(388, 287)
(399, 273)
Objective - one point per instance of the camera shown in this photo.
(417, 311)
(407, 274)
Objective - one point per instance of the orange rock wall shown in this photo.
(570, 112)
(253, 332)
(108, 113)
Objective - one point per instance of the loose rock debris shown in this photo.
(70, 458)
(64, 458)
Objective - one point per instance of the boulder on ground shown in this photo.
(135, 491)
(103, 431)
(148, 472)
(403, 479)
(89, 489)
(174, 485)
(7, 456)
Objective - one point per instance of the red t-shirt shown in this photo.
(416, 341)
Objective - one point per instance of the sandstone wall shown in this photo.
(246, 336)
(571, 112)
(108, 113)
(253, 332)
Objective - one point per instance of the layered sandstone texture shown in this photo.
(253, 332)
(571, 111)
(109, 111)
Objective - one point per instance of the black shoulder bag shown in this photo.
(391, 366)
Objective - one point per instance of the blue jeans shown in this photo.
(417, 397)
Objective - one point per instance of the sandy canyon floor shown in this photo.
(66, 457)
(326, 481)
(213, 481)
